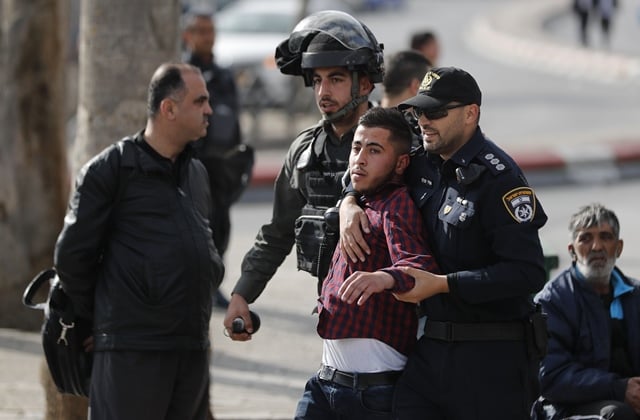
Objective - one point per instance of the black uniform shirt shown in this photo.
(483, 221)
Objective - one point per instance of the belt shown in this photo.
(491, 331)
(358, 380)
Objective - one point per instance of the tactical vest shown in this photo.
(322, 177)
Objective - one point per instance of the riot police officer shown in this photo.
(340, 58)
(483, 340)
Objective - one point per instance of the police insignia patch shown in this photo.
(427, 80)
(521, 204)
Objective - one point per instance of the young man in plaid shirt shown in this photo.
(367, 332)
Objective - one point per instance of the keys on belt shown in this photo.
(356, 380)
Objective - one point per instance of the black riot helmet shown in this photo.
(331, 38)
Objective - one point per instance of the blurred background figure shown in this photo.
(374, 5)
(216, 149)
(405, 70)
(427, 44)
(403, 74)
(606, 9)
(602, 10)
(581, 8)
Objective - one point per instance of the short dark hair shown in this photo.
(402, 68)
(390, 119)
(592, 215)
(188, 19)
(167, 82)
(418, 39)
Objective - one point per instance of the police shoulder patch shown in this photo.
(520, 204)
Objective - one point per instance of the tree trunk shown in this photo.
(61, 406)
(33, 186)
(121, 43)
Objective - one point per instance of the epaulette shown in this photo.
(495, 160)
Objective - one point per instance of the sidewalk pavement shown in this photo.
(254, 384)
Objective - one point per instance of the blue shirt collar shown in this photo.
(619, 289)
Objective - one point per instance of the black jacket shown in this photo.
(136, 254)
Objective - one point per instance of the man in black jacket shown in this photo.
(137, 258)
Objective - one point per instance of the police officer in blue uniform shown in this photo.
(483, 338)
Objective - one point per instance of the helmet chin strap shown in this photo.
(356, 100)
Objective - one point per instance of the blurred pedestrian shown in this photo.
(228, 166)
(403, 75)
(341, 59)
(375, 5)
(606, 9)
(477, 358)
(358, 314)
(137, 259)
(592, 368)
(428, 44)
(582, 9)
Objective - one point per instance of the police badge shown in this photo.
(521, 204)
(427, 80)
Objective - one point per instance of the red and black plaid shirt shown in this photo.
(397, 239)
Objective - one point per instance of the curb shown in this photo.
(264, 175)
(514, 36)
(619, 153)
(593, 164)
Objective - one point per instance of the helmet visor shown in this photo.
(339, 25)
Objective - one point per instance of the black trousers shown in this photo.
(149, 385)
(467, 381)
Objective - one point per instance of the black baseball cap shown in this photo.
(442, 85)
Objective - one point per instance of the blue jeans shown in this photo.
(324, 400)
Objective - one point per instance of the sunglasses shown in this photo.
(433, 114)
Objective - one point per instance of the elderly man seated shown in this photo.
(592, 367)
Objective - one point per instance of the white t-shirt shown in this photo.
(362, 355)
